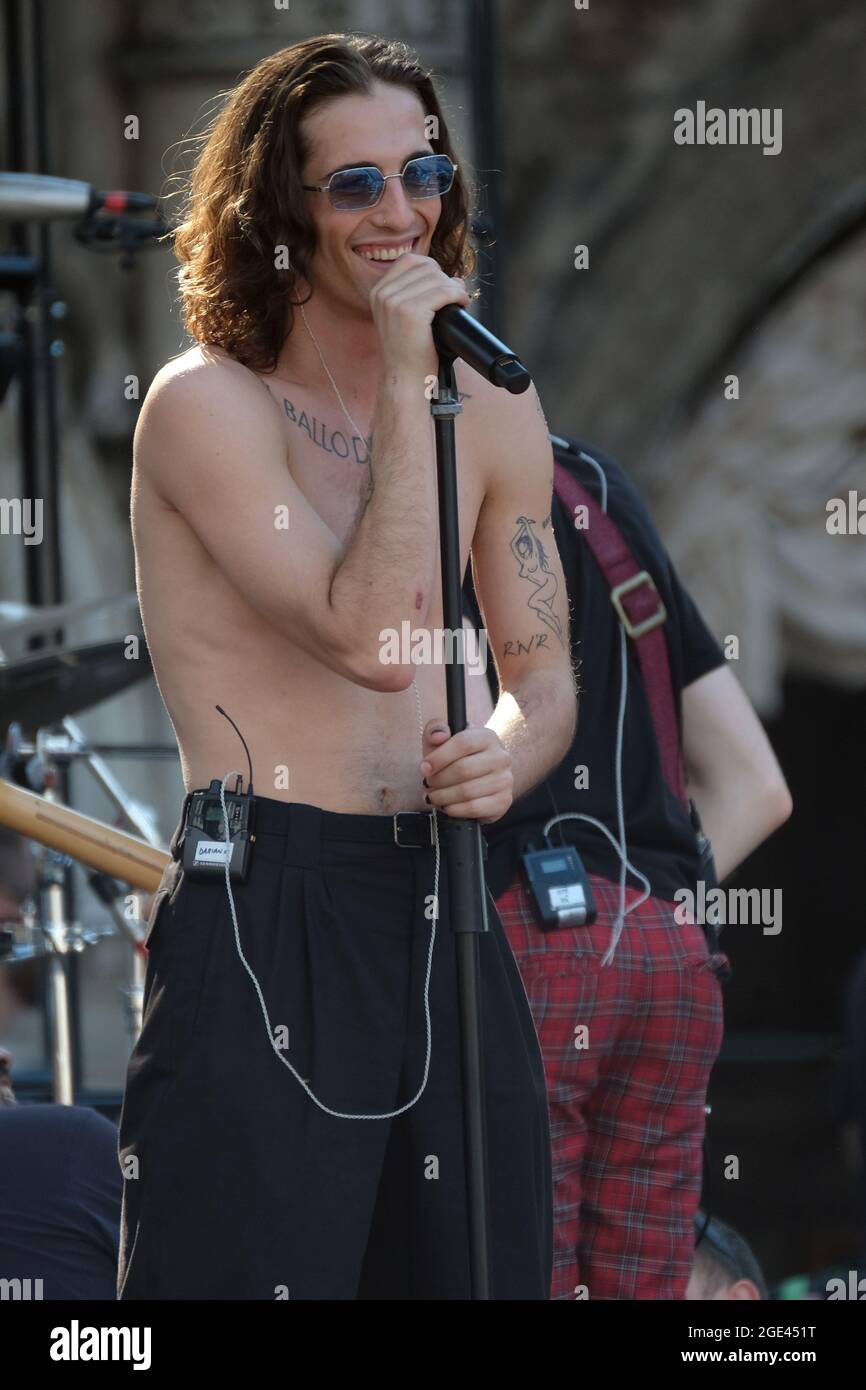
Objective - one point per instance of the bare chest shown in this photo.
(328, 455)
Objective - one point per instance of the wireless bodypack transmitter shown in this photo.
(205, 850)
(560, 886)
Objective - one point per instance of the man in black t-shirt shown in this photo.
(60, 1182)
(628, 1009)
(60, 1190)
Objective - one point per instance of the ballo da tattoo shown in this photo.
(332, 441)
(531, 557)
(335, 441)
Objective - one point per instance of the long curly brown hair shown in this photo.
(244, 196)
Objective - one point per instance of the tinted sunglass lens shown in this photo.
(356, 188)
(428, 177)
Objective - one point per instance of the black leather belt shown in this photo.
(414, 829)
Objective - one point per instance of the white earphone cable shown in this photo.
(339, 1114)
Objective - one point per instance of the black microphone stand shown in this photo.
(465, 859)
(466, 869)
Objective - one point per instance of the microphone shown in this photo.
(41, 198)
(460, 335)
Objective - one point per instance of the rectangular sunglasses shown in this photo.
(426, 176)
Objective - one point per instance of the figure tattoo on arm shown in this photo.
(529, 552)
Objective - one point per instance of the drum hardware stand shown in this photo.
(36, 764)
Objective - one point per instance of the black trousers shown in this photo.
(237, 1185)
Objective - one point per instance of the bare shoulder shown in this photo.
(493, 408)
(206, 381)
(200, 404)
(508, 431)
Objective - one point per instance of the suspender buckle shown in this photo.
(628, 586)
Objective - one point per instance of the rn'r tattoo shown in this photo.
(531, 558)
(517, 647)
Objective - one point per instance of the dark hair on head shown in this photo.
(725, 1256)
(244, 196)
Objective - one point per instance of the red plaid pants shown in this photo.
(628, 1049)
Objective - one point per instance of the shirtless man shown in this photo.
(292, 1121)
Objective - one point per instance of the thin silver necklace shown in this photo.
(359, 432)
